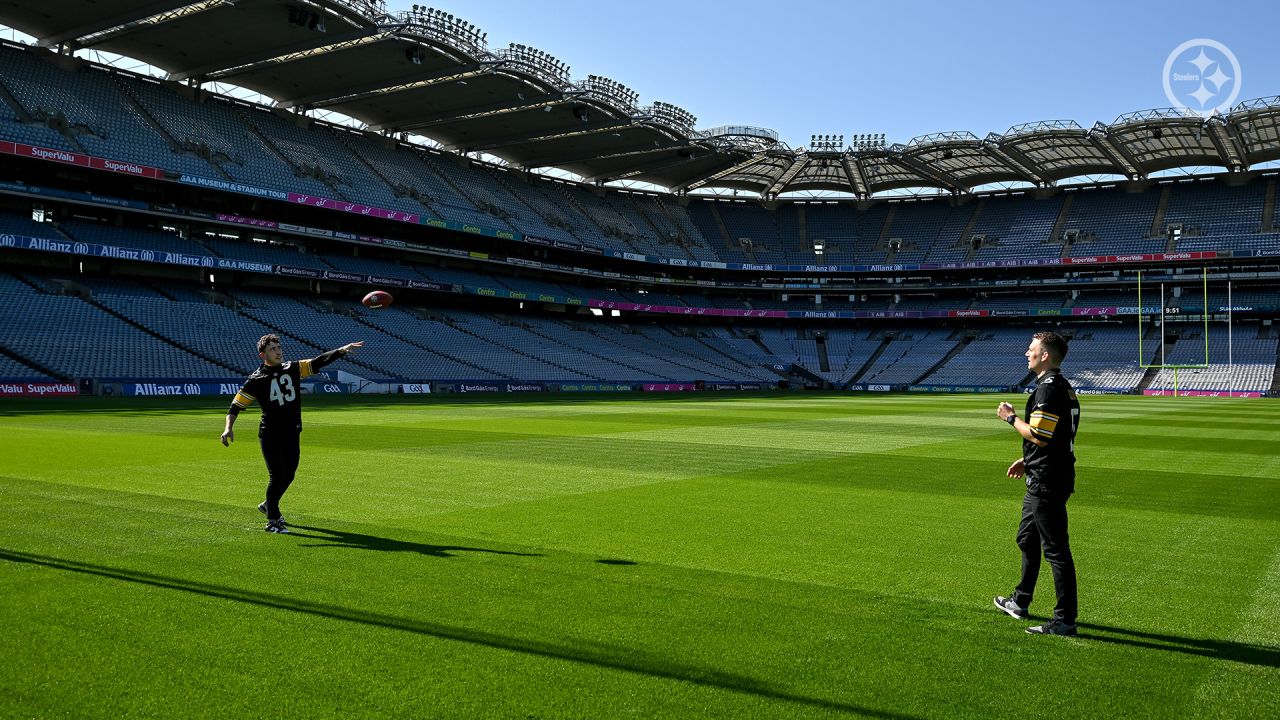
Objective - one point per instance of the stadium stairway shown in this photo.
(755, 337)
(1150, 375)
(658, 232)
(1269, 208)
(628, 210)
(345, 142)
(677, 352)
(150, 121)
(871, 361)
(6, 352)
(19, 111)
(632, 349)
(800, 371)
(724, 229)
(577, 205)
(967, 233)
(587, 351)
(166, 340)
(483, 372)
(1275, 376)
(722, 353)
(686, 240)
(280, 155)
(461, 327)
(520, 197)
(1055, 235)
(964, 342)
(882, 243)
(670, 235)
(68, 135)
(1067, 246)
(28, 281)
(803, 228)
(56, 233)
(1157, 222)
(682, 236)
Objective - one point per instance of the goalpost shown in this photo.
(1206, 312)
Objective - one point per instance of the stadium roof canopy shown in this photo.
(426, 72)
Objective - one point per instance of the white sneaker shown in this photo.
(1013, 609)
(262, 508)
(1054, 627)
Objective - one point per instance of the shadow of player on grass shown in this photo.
(1242, 652)
(348, 539)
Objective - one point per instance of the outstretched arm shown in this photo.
(325, 358)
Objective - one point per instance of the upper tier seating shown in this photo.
(68, 105)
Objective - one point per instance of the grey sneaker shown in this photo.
(1010, 607)
(1054, 627)
(262, 508)
(277, 526)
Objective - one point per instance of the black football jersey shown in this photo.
(279, 391)
(1053, 412)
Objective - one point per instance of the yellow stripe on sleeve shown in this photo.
(1043, 423)
(243, 399)
(304, 369)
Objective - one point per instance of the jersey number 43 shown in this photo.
(282, 390)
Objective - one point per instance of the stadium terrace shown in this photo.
(708, 447)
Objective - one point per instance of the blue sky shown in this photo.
(901, 68)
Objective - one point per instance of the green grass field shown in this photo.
(736, 557)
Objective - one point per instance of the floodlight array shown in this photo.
(868, 141)
(445, 27)
(826, 143)
(675, 117)
(612, 92)
(836, 143)
(950, 157)
(539, 63)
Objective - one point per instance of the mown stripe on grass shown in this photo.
(1248, 684)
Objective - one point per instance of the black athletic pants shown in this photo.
(281, 452)
(1044, 529)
